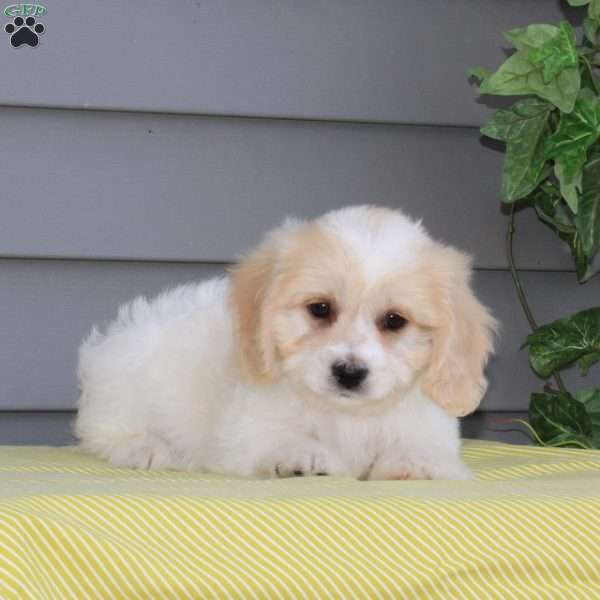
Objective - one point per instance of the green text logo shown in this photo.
(25, 10)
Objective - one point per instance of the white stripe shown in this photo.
(69, 501)
(519, 548)
(141, 538)
(266, 549)
(68, 569)
(20, 564)
(544, 518)
(542, 549)
(580, 532)
(39, 574)
(21, 531)
(470, 516)
(341, 510)
(302, 569)
(317, 553)
(18, 584)
(433, 535)
(406, 565)
(353, 573)
(457, 560)
(583, 505)
(143, 550)
(172, 523)
(98, 563)
(463, 558)
(259, 559)
(365, 552)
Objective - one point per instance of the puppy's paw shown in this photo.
(393, 468)
(302, 465)
(140, 451)
(302, 460)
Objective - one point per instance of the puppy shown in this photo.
(343, 346)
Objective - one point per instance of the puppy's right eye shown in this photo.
(320, 310)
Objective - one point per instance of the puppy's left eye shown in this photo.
(393, 322)
(320, 310)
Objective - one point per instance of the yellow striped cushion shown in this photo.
(73, 527)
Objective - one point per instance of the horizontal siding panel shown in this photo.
(49, 306)
(54, 428)
(79, 184)
(40, 428)
(384, 60)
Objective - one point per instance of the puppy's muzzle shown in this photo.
(348, 376)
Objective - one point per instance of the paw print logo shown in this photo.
(24, 31)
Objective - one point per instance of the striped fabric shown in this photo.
(527, 527)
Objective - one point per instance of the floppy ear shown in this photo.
(462, 337)
(254, 300)
(252, 280)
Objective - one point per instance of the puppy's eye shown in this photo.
(393, 322)
(320, 310)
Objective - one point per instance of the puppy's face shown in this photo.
(344, 339)
(357, 307)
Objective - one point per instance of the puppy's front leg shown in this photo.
(301, 457)
(398, 462)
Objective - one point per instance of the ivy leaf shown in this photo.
(524, 162)
(479, 73)
(593, 9)
(568, 145)
(519, 76)
(559, 344)
(569, 176)
(558, 418)
(524, 128)
(578, 129)
(590, 398)
(531, 37)
(505, 125)
(553, 212)
(557, 53)
(589, 79)
(592, 268)
(544, 64)
(587, 361)
(590, 29)
(585, 267)
(588, 217)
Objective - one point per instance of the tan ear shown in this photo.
(251, 282)
(462, 338)
(254, 297)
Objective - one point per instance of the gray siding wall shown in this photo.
(399, 61)
(135, 159)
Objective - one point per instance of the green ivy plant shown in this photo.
(552, 165)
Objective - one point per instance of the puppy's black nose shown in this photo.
(348, 375)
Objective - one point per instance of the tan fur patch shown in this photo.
(462, 337)
(282, 273)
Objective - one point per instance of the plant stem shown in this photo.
(510, 233)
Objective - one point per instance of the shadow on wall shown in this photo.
(53, 428)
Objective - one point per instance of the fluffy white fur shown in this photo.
(234, 375)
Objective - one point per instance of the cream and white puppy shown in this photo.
(343, 346)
